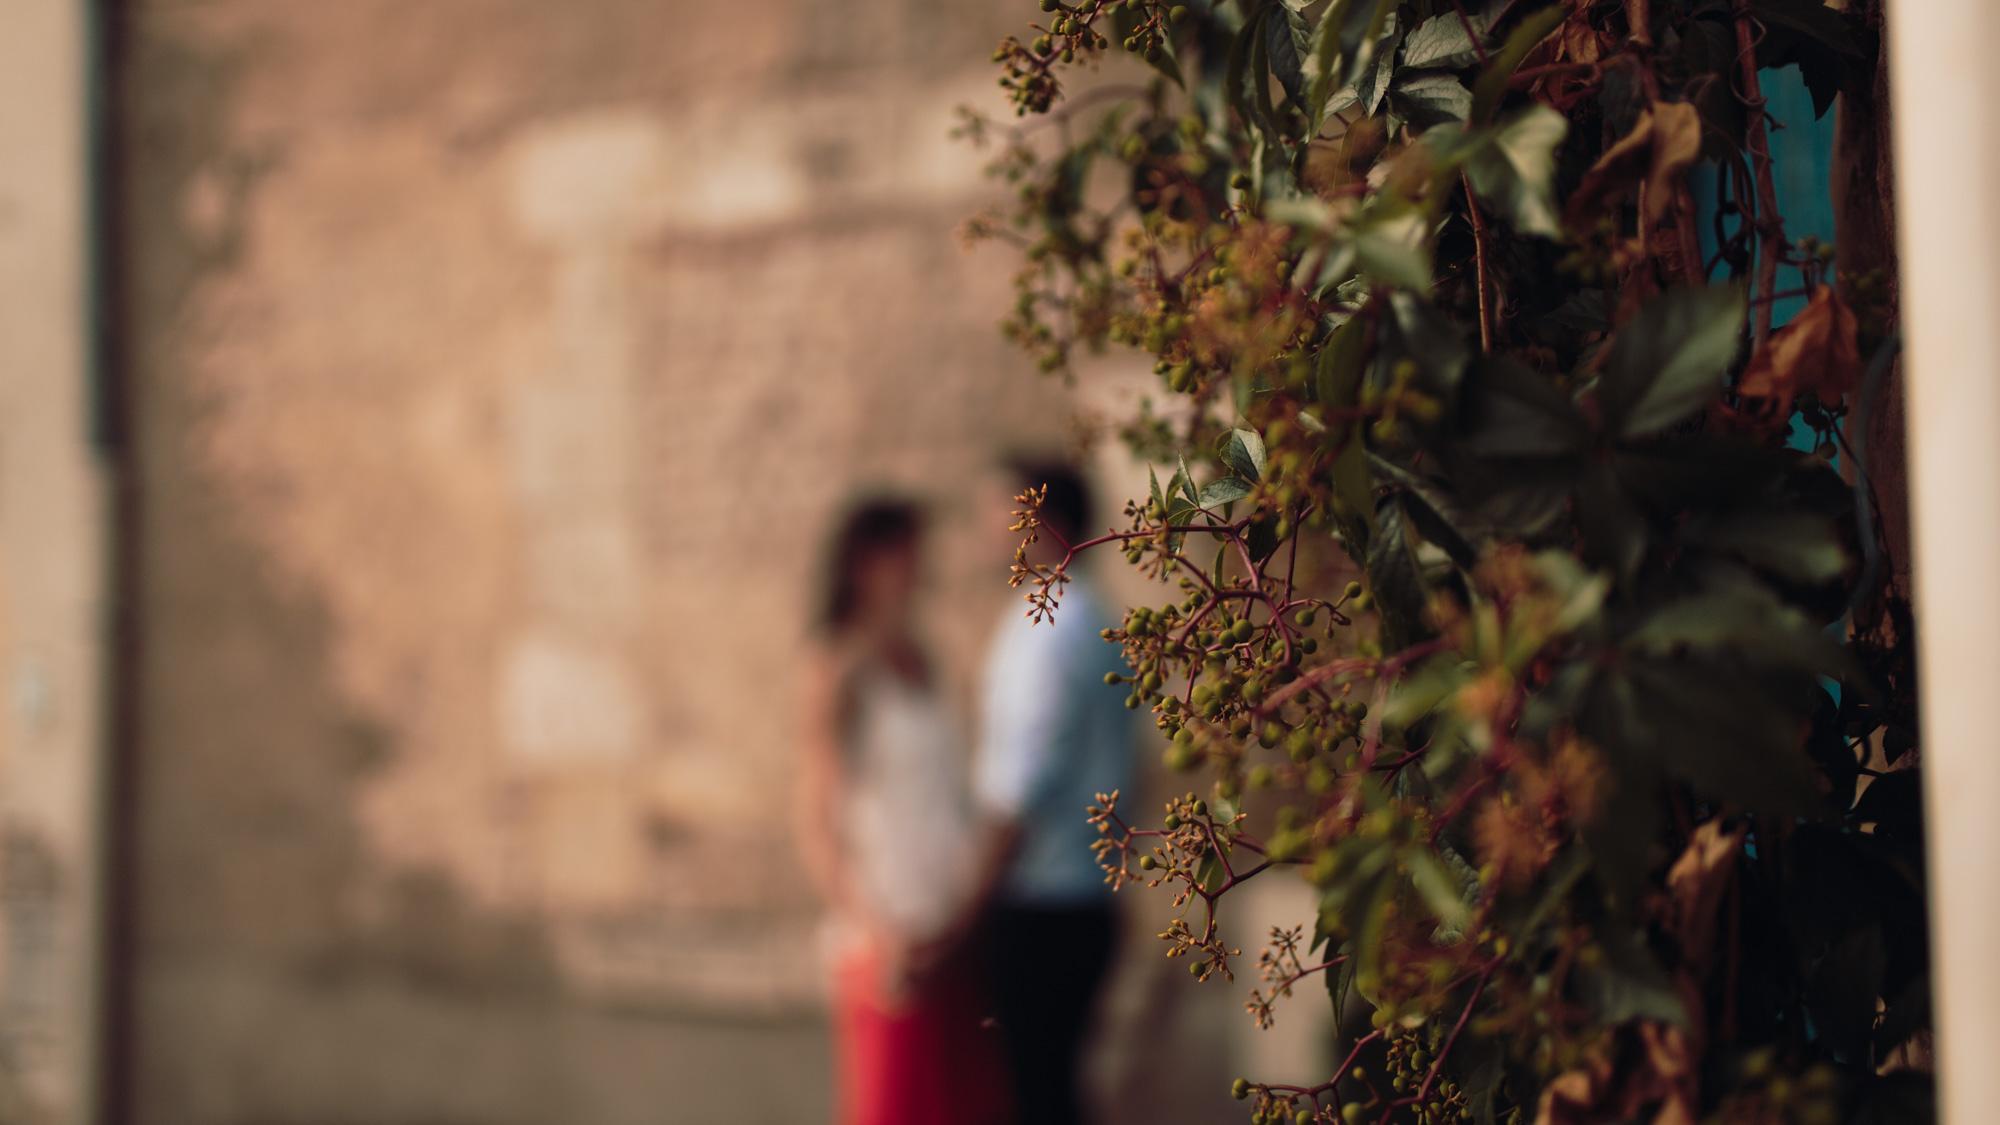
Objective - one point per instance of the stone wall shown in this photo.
(52, 610)
(493, 366)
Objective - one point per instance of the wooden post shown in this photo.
(1944, 85)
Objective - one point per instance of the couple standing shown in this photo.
(972, 925)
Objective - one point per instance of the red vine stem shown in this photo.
(1758, 141)
(1444, 1051)
(1338, 1071)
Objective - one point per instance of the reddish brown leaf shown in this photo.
(1816, 352)
(1696, 883)
(1649, 160)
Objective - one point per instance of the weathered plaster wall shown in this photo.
(493, 367)
(51, 605)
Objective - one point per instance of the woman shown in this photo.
(884, 821)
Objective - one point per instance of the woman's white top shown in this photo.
(908, 819)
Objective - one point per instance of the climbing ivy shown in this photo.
(1521, 587)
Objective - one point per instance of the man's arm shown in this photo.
(1021, 710)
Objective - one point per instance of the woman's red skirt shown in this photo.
(926, 1057)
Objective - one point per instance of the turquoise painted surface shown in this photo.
(1802, 169)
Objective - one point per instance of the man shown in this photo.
(1054, 735)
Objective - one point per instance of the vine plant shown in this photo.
(1523, 589)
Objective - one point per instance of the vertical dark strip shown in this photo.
(113, 426)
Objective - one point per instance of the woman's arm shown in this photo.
(822, 780)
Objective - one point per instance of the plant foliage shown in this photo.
(1500, 602)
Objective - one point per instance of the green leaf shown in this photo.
(1500, 67)
(1418, 331)
(1353, 488)
(1512, 411)
(1796, 545)
(1395, 250)
(1210, 873)
(1256, 87)
(1721, 726)
(1615, 531)
(1371, 80)
(1431, 99)
(1626, 983)
(1342, 359)
(1368, 943)
(1811, 18)
(1442, 893)
(1431, 511)
(1216, 493)
(1396, 577)
(1668, 361)
(1168, 64)
(1740, 617)
(1514, 172)
(1441, 41)
(1286, 42)
(1304, 212)
(1243, 451)
(1323, 61)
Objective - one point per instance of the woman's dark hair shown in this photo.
(870, 526)
(1067, 508)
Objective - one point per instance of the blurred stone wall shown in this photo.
(494, 366)
(492, 370)
(52, 609)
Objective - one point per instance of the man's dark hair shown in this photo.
(1067, 508)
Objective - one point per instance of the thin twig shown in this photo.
(1479, 259)
(1471, 32)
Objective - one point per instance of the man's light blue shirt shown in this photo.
(1053, 736)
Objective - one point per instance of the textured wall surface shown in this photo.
(51, 602)
(494, 366)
